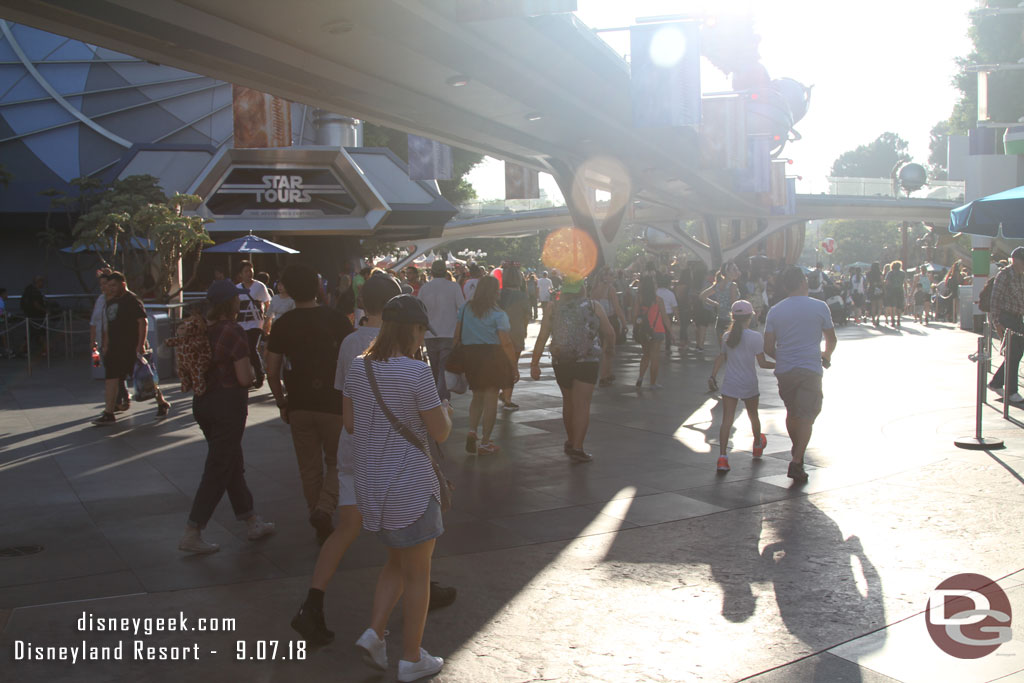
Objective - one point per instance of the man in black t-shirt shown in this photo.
(124, 340)
(304, 343)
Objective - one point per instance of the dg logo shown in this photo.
(968, 616)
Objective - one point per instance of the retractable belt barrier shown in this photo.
(982, 358)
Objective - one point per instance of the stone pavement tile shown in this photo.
(105, 509)
(980, 476)
(93, 555)
(34, 483)
(78, 588)
(475, 537)
(185, 570)
(823, 668)
(906, 652)
(737, 494)
(585, 489)
(561, 524)
(159, 550)
(656, 509)
(498, 499)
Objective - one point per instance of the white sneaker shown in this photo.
(192, 542)
(258, 528)
(1016, 398)
(375, 650)
(412, 671)
(998, 391)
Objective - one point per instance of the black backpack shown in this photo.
(985, 298)
(643, 332)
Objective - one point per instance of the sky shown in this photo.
(876, 66)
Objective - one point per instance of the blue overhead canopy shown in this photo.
(998, 214)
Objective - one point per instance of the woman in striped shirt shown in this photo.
(396, 489)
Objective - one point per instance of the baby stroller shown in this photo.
(837, 307)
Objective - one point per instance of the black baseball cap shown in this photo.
(405, 308)
(221, 291)
(377, 291)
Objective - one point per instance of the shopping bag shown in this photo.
(144, 379)
(456, 382)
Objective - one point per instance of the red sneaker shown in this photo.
(759, 445)
(723, 464)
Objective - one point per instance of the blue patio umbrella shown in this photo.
(998, 214)
(250, 244)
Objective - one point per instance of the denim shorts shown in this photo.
(428, 526)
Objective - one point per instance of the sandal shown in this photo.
(163, 409)
(487, 448)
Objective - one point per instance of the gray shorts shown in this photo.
(800, 390)
(428, 526)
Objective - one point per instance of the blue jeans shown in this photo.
(221, 414)
(438, 350)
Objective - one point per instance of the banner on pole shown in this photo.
(260, 120)
(429, 159)
(723, 133)
(665, 75)
(521, 182)
(756, 177)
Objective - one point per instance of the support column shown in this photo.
(578, 195)
(714, 240)
(981, 260)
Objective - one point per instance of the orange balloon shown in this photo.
(570, 251)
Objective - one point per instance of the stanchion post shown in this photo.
(1007, 353)
(979, 442)
(28, 346)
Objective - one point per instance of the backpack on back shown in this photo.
(643, 332)
(985, 298)
(571, 333)
(192, 354)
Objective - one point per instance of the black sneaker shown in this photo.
(105, 419)
(162, 410)
(321, 521)
(311, 626)
(440, 596)
(258, 384)
(796, 472)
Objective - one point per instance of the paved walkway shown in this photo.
(644, 565)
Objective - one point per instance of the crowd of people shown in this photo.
(363, 375)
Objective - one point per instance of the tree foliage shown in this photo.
(456, 190)
(996, 40)
(873, 160)
(120, 218)
(938, 150)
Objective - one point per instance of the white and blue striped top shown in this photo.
(394, 479)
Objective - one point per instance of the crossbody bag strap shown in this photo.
(407, 433)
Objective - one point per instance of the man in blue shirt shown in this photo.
(792, 336)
